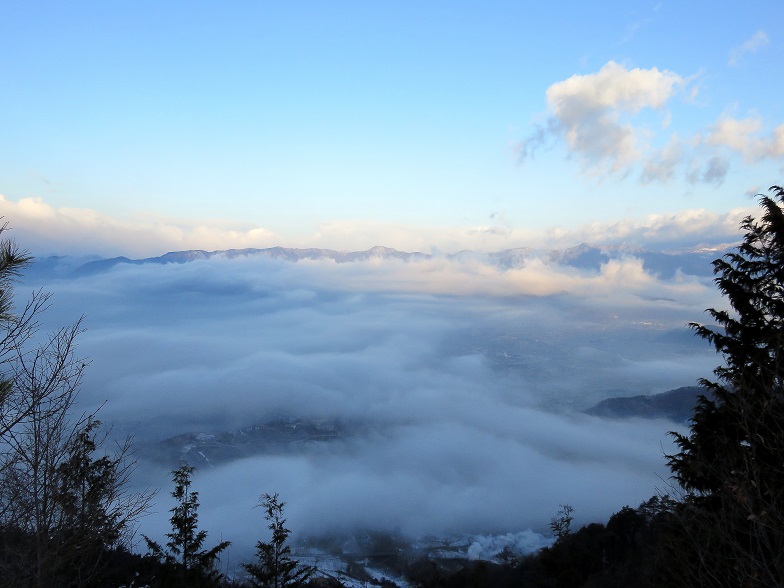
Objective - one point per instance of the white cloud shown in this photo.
(733, 133)
(77, 230)
(756, 42)
(475, 277)
(613, 87)
(742, 137)
(46, 230)
(586, 111)
(686, 228)
(595, 116)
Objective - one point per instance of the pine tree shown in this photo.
(188, 564)
(275, 567)
(730, 529)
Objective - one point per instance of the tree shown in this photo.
(188, 564)
(64, 500)
(69, 501)
(561, 524)
(19, 364)
(275, 567)
(97, 511)
(730, 526)
(45, 380)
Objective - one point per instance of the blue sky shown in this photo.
(140, 127)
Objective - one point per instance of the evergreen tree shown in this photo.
(96, 512)
(730, 527)
(188, 564)
(63, 505)
(275, 567)
(12, 261)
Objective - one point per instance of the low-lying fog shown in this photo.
(469, 382)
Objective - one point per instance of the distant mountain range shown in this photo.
(695, 262)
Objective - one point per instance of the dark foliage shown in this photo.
(730, 527)
(275, 568)
(183, 561)
(624, 552)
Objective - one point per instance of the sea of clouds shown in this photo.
(469, 382)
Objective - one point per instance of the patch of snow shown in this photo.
(488, 547)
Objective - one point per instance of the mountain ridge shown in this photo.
(676, 405)
(585, 256)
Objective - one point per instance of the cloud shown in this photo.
(684, 229)
(47, 230)
(80, 231)
(756, 42)
(662, 165)
(613, 87)
(462, 384)
(742, 136)
(586, 112)
(475, 277)
(597, 117)
(753, 191)
(715, 170)
(733, 133)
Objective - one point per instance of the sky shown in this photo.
(141, 127)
